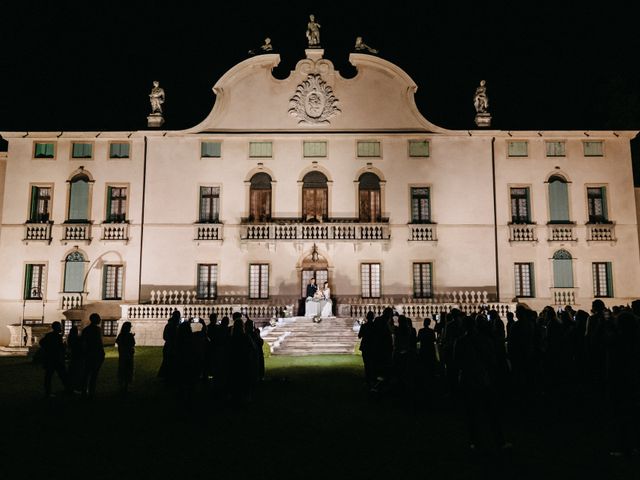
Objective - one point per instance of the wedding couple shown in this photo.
(318, 304)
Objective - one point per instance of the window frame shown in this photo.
(518, 274)
(605, 204)
(55, 150)
(359, 142)
(564, 148)
(119, 281)
(211, 284)
(270, 142)
(202, 142)
(200, 197)
(119, 142)
(529, 209)
(510, 142)
(362, 283)
(608, 279)
(108, 202)
(260, 295)
(42, 283)
(412, 220)
(416, 141)
(90, 143)
(422, 293)
(584, 146)
(30, 207)
(308, 142)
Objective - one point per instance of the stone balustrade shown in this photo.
(522, 233)
(319, 231)
(71, 301)
(115, 231)
(562, 233)
(601, 232)
(422, 233)
(564, 296)
(208, 231)
(418, 311)
(159, 312)
(37, 232)
(76, 231)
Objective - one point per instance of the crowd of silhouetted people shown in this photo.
(484, 363)
(228, 359)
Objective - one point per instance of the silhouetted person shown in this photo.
(221, 357)
(211, 333)
(93, 353)
(200, 345)
(595, 342)
(475, 357)
(257, 343)
(240, 361)
(187, 364)
(126, 349)
(427, 353)
(53, 356)
(404, 354)
(168, 366)
(74, 350)
(366, 347)
(382, 345)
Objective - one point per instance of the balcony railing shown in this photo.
(564, 296)
(522, 233)
(71, 301)
(562, 233)
(208, 231)
(76, 231)
(601, 232)
(315, 231)
(422, 233)
(37, 232)
(115, 231)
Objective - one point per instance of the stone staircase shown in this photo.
(301, 336)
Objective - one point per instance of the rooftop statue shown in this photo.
(363, 47)
(156, 97)
(480, 99)
(265, 48)
(313, 32)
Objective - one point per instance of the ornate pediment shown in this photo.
(314, 102)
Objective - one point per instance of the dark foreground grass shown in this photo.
(312, 419)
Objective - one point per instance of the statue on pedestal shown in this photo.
(265, 48)
(156, 97)
(481, 104)
(313, 32)
(363, 47)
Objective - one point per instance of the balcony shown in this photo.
(522, 232)
(208, 232)
(562, 233)
(564, 296)
(71, 301)
(422, 232)
(37, 232)
(601, 232)
(115, 231)
(292, 230)
(74, 232)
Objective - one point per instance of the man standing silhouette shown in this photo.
(93, 350)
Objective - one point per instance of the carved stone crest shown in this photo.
(314, 101)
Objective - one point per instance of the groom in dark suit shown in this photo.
(312, 288)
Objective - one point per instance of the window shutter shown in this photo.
(603, 193)
(73, 276)
(28, 278)
(528, 200)
(562, 273)
(79, 201)
(532, 280)
(33, 216)
(558, 201)
(609, 279)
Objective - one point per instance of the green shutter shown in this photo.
(558, 202)
(109, 200)
(44, 150)
(33, 215)
(418, 148)
(210, 149)
(73, 276)
(81, 150)
(609, 280)
(315, 149)
(532, 280)
(562, 273)
(605, 214)
(79, 201)
(28, 277)
(518, 149)
(528, 193)
(368, 149)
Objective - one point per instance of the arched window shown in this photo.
(314, 197)
(79, 199)
(562, 269)
(558, 200)
(260, 198)
(74, 272)
(369, 194)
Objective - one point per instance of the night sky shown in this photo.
(68, 67)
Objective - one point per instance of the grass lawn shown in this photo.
(312, 418)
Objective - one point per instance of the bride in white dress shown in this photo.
(325, 303)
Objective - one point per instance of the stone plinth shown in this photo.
(155, 120)
(314, 54)
(20, 341)
(483, 119)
